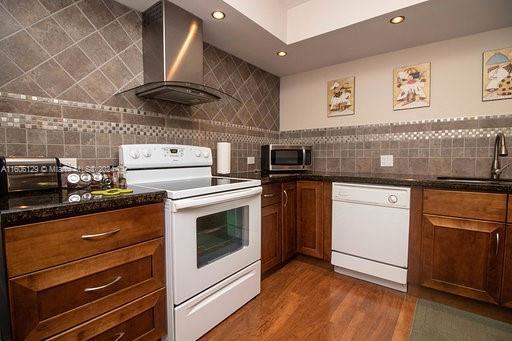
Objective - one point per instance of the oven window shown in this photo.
(286, 157)
(221, 234)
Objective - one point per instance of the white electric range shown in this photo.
(212, 234)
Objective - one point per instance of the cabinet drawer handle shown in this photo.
(285, 198)
(497, 243)
(117, 279)
(118, 336)
(268, 195)
(100, 235)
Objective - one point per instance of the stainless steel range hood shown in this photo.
(172, 41)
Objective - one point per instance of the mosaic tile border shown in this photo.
(62, 124)
(100, 107)
(445, 128)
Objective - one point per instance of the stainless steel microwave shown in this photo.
(278, 157)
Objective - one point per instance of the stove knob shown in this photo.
(146, 153)
(206, 154)
(197, 153)
(134, 154)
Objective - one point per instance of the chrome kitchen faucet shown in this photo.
(500, 149)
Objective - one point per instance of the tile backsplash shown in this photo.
(457, 146)
(64, 62)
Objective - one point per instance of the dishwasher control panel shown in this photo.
(372, 194)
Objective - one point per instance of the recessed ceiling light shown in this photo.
(218, 15)
(281, 53)
(397, 20)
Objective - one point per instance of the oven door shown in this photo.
(213, 237)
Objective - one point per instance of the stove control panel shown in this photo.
(138, 156)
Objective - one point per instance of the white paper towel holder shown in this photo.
(223, 157)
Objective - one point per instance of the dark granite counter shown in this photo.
(408, 180)
(33, 207)
(40, 206)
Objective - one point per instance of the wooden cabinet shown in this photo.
(463, 256)
(473, 205)
(55, 299)
(271, 236)
(278, 224)
(463, 236)
(289, 220)
(506, 285)
(310, 218)
(86, 282)
(142, 319)
(292, 221)
(41, 245)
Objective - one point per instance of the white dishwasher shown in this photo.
(370, 233)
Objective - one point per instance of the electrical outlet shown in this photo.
(68, 161)
(250, 160)
(386, 160)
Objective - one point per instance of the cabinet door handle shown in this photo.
(100, 235)
(285, 198)
(117, 279)
(497, 243)
(268, 195)
(118, 336)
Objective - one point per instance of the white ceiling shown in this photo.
(292, 3)
(426, 22)
(294, 21)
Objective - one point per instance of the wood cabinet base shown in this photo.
(142, 319)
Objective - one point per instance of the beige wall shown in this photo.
(456, 85)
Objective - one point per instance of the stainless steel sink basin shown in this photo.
(473, 179)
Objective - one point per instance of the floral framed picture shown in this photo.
(497, 74)
(411, 87)
(341, 97)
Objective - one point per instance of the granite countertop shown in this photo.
(36, 206)
(33, 207)
(409, 180)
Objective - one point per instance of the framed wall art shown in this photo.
(411, 87)
(341, 97)
(497, 74)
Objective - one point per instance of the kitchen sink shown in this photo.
(473, 179)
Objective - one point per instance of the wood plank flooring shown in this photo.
(307, 301)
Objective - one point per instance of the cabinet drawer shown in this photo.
(473, 205)
(42, 245)
(271, 194)
(142, 319)
(49, 301)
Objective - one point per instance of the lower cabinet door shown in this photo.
(463, 257)
(310, 240)
(506, 283)
(142, 319)
(289, 220)
(271, 236)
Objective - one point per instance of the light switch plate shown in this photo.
(250, 160)
(386, 160)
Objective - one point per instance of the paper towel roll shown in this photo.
(223, 157)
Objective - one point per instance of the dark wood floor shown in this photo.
(307, 301)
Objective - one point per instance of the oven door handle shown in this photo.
(208, 200)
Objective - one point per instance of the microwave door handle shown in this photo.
(214, 199)
(303, 157)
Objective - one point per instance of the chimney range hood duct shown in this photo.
(172, 41)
